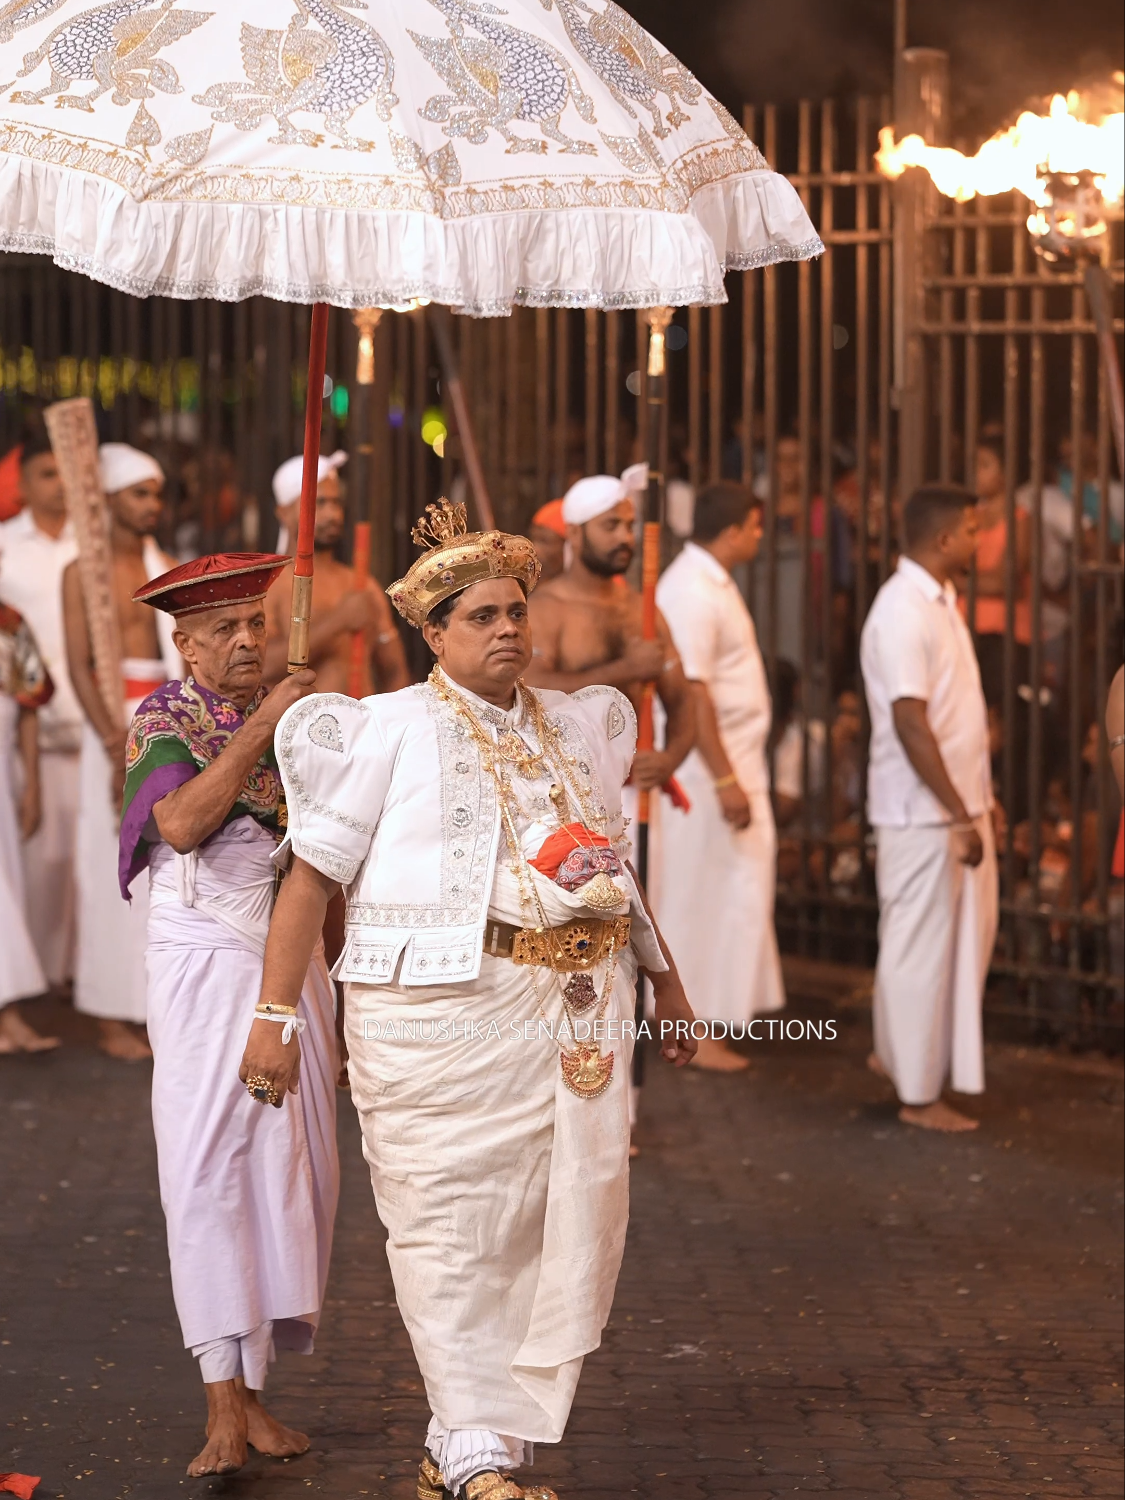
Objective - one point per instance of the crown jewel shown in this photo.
(442, 523)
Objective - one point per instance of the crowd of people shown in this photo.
(461, 855)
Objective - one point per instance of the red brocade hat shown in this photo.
(212, 582)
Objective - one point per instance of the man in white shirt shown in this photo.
(714, 892)
(929, 801)
(35, 548)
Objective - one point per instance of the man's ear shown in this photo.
(182, 641)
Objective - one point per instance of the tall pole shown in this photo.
(453, 385)
(921, 108)
(1099, 296)
(656, 442)
(306, 526)
(366, 321)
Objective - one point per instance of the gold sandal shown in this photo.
(430, 1485)
(490, 1484)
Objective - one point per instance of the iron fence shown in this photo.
(829, 387)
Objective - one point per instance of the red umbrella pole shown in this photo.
(306, 526)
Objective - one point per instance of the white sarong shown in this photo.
(249, 1192)
(505, 1196)
(109, 976)
(48, 858)
(712, 891)
(937, 927)
(20, 973)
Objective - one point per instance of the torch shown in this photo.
(1070, 229)
(657, 442)
(306, 526)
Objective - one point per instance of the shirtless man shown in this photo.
(339, 609)
(109, 981)
(586, 624)
(547, 534)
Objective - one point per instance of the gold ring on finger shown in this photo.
(261, 1089)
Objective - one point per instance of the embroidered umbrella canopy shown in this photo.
(542, 152)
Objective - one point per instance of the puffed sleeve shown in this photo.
(610, 722)
(335, 769)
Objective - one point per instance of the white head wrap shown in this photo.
(635, 478)
(119, 466)
(287, 479)
(592, 497)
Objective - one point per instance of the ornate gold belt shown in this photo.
(569, 949)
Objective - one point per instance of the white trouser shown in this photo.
(247, 1357)
(464, 1451)
(937, 927)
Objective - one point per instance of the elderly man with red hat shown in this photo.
(249, 1194)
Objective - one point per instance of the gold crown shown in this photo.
(441, 524)
(455, 558)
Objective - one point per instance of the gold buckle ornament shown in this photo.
(573, 947)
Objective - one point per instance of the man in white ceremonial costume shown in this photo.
(929, 799)
(109, 977)
(249, 1196)
(714, 889)
(494, 932)
(35, 548)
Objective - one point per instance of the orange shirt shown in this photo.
(990, 615)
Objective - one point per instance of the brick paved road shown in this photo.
(813, 1299)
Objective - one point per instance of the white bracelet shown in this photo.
(291, 1023)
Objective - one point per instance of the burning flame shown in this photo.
(1020, 157)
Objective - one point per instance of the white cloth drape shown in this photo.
(48, 858)
(937, 927)
(504, 1195)
(249, 1192)
(20, 973)
(713, 894)
(109, 977)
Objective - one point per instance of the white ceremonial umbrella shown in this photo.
(539, 152)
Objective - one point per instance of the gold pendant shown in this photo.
(579, 993)
(513, 749)
(585, 1071)
(600, 893)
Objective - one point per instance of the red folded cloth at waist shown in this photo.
(19, 1484)
(557, 846)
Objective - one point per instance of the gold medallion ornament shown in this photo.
(585, 1071)
(601, 893)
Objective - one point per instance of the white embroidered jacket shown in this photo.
(389, 796)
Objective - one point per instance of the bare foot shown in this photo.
(876, 1066)
(17, 1036)
(225, 1449)
(268, 1435)
(714, 1055)
(119, 1039)
(937, 1116)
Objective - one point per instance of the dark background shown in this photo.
(1004, 54)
